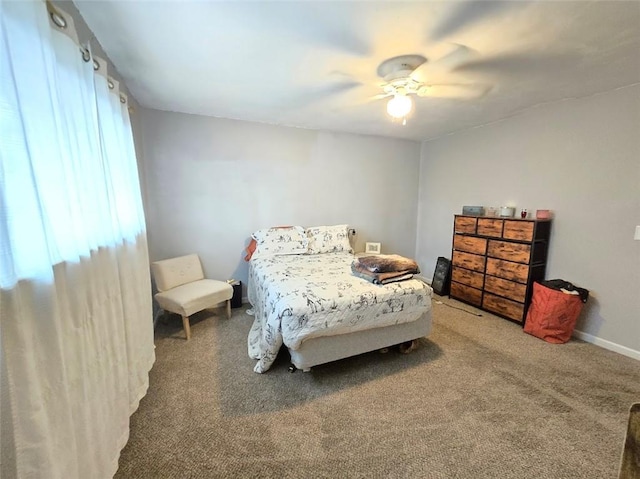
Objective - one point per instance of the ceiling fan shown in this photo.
(408, 75)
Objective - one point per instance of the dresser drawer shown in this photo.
(470, 244)
(490, 227)
(506, 288)
(518, 230)
(508, 270)
(464, 224)
(504, 307)
(470, 278)
(466, 293)
(512, 251)
(469, 261)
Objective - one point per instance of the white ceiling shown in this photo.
(313, 64)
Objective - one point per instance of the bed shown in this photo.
(310, 301)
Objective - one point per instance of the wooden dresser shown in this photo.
(496, 260)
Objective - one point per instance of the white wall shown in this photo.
(579, 158)
(209, 183)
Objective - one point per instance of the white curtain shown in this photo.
(75, 296)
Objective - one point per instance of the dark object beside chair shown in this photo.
(441, 282)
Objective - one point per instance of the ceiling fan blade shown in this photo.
(454, 90)
(432, 71)
(381, 96)
(343, 76)
(361, 102)
(465, 14)
(332, 89)
(519, 64)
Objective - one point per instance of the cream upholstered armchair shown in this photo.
(184, 290)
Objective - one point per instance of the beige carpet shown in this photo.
(478, 399)
(630, 466)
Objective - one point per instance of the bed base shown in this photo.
(325, 349)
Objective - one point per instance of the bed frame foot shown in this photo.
(293, 369)
(407, 347)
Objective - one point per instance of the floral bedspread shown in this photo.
(297, 297)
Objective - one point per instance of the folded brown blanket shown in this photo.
(379, 278)
(394, 279)
(385, 263)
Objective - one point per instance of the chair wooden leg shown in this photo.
(228, 309)
(187, 328)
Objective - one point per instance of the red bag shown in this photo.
(552, 315)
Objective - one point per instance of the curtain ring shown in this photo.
(122, 100)
(58, 19)
(86, 55)
(96, 65)
(111, 85)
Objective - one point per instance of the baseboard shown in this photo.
(603, 343)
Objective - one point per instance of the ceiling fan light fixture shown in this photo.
(399, 106)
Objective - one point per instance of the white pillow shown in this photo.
(280, 240)
(329, 239)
